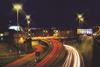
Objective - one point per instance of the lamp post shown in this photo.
(17, 7)
(29, 40)
(80, 19)
(28, 23)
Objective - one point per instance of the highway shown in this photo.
(55, 55)
(73, 59)
(25, 59)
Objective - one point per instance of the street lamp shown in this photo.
(28, 18)
(80, 19)
(79, 15)
(29, 40)
(17, 7)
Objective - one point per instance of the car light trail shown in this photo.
(73, 59)
(51, 57)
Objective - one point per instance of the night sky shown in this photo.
(51, 13)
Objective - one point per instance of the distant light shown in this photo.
(17, 6)
(16, 28)
(29, 34)
(56, 34)
(28, 22)
(34, 43)
(84, 31)
(27, 17)
(29, 30)
(45, 31)
(56, 31)
(94, 34)
(21, 40)
(1, 34)
(80, 18)
(79, 15)
(1, 38)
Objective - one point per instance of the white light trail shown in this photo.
(73, 58)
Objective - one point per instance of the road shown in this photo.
(73, 59)
(24, 60)
(55, 55)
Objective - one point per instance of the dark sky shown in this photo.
(49, 13)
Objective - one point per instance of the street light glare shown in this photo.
(27, 17)
(17, 7)
(28, 22)
(79, 15)
(80, 18)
